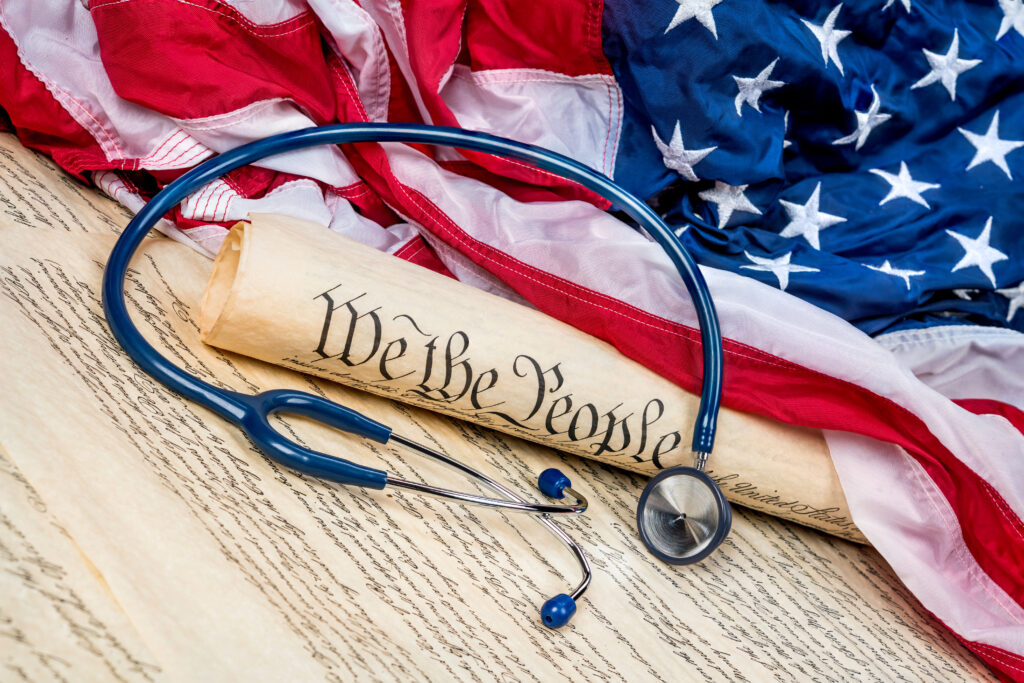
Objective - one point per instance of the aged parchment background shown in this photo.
(144, 539)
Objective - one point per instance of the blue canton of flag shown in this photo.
(865, 156)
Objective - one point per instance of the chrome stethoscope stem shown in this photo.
(576, 551)
(700, 459)
(513, 502)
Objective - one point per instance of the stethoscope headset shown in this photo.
(682, 515)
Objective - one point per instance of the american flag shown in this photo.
(848, 175)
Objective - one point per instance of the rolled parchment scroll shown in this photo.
(291, 293)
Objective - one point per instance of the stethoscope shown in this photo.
(682, 515)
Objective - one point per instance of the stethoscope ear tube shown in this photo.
(251, 412)
(649, 221)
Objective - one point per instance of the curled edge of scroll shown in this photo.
(292, 293)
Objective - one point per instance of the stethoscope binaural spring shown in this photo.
(682, 515)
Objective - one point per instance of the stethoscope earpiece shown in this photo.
(553, 484)
(683, 516)
(557, 611)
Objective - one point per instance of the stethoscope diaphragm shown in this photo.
(682, 516)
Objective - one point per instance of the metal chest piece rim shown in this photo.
(682, 516)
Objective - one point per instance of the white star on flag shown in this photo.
(829, 37)
(695, 9)
(779, 267)
(904, 186)
(905, 3)
(751, 89)
(1013, 17)
(977, 252)
(806, 221)
(728, 199)
(947, 67)
(897, 272)
(866, 122)
(990, 148)
(677, 157)
(1016, 297)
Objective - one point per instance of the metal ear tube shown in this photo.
(558, 610)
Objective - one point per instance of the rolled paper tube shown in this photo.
(292, 293)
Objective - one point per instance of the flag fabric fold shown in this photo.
(847, 175)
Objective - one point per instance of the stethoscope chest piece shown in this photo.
(683, 516)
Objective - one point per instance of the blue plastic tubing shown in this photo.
(251, 412)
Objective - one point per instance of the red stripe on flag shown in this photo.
(987, 406)
(41, 122)
(518, 190)
(419, 252)
(368, 203)
(1007, 665)
(437, 42)
(555, 35)
(202, 58)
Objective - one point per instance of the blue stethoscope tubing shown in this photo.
(251, 412)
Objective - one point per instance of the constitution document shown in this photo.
(143, 538)
(288, 292)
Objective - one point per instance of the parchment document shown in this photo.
(291, 293)
(144, 539)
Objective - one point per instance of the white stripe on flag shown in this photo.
(75, 75)
(964, 361)
(908, 520)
